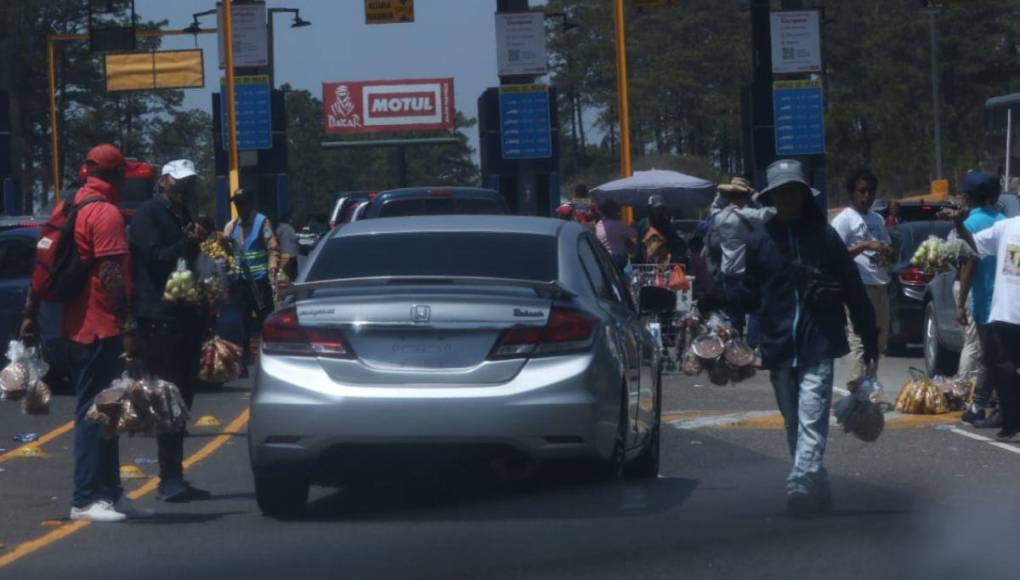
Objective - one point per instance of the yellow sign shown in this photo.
(146, 71)
(389, 11)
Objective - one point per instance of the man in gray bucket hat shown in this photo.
(798, 276)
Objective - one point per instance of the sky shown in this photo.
(449, 38)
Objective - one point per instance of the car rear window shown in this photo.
(440, 206)
(489, 255)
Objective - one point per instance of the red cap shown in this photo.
(104, 157)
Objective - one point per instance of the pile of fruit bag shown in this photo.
(145, 406)
(22, 379)
(921, 396)
(861, 413)
(221, 361)
(181, 287)
(216, 248)
(936, 255)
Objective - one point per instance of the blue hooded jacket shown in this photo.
(799, 277)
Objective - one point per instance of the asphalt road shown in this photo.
(927, 500)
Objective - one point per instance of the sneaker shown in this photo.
(1007, 433)
(100, 512)
(180, 491)
(993, 422)
(131, 510)
(972, 415)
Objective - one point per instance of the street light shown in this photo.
(298, 22)
(195, 28)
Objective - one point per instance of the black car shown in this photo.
(417, 201)
(908, 284)
(913, 211)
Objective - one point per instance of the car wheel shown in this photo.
(281, 497)
(646, 466)
(612, 470)
(936, 357)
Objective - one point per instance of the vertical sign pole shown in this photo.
(624, 104)
(228, 59)
(1009, 145)
(54, 140)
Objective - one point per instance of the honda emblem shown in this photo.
(421, 313)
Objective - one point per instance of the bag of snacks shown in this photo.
(221, 361)
(14, 377)
(921, 396)
(22, 379)
(143, 406)
(861, 413)
(181, 287)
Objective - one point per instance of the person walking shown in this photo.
(162, 233)
(866, 237)
(258, 257)
(616, 236)
(1000, 337)
(732, 221)
(797, 269)
(101, 330)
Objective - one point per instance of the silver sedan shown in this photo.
(512, 338)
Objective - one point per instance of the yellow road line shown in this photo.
(40, 441)
(32, 546)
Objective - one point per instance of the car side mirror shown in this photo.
(656, 300)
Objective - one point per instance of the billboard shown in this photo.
(146, 71)
(375, 106)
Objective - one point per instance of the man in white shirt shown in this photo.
(865, 235)
(1000, 338)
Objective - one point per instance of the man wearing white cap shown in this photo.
(161, 234)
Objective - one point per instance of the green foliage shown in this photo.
(689, 64)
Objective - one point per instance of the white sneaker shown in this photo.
(132, 511)
(100, 511)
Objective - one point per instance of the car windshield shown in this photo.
(440, 206)
(489, 255)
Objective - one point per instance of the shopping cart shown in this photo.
(669, 326)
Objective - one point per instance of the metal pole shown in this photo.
(621, 81)
(272, 55)
(1009, 143)
(228, 58)
(54, 141)
(935, 89)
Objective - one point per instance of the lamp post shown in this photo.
(297, 23)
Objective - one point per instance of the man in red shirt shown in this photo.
(99, 325)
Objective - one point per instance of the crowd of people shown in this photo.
(118, 320)
(779, 267)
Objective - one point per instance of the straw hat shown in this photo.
(737, 185)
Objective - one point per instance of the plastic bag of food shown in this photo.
(221, 361)
(215, 247)
(37, 399)
(181, 287)
(107, 406)
(170, 410)
(921, 396)
(14, 379)
(691, 364)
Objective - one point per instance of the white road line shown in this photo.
(988, 440)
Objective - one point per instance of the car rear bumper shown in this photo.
(554, 408)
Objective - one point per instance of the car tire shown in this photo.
(281, 497)
(646, 466)
(612, 470)
(936, 356)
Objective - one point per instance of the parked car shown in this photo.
(908, 284)
(914, 211)
(501, 338)
(346, 203)
(416, 201)
(943, 335)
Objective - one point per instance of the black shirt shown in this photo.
(157, 242)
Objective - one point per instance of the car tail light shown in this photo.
(914, 277)
(440, 193)
(567, 330)
(283, 335)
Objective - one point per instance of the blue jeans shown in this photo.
(96, 459)
(804, 395)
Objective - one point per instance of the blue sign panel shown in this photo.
(254, 113)
(524, 122)
(800, 118)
